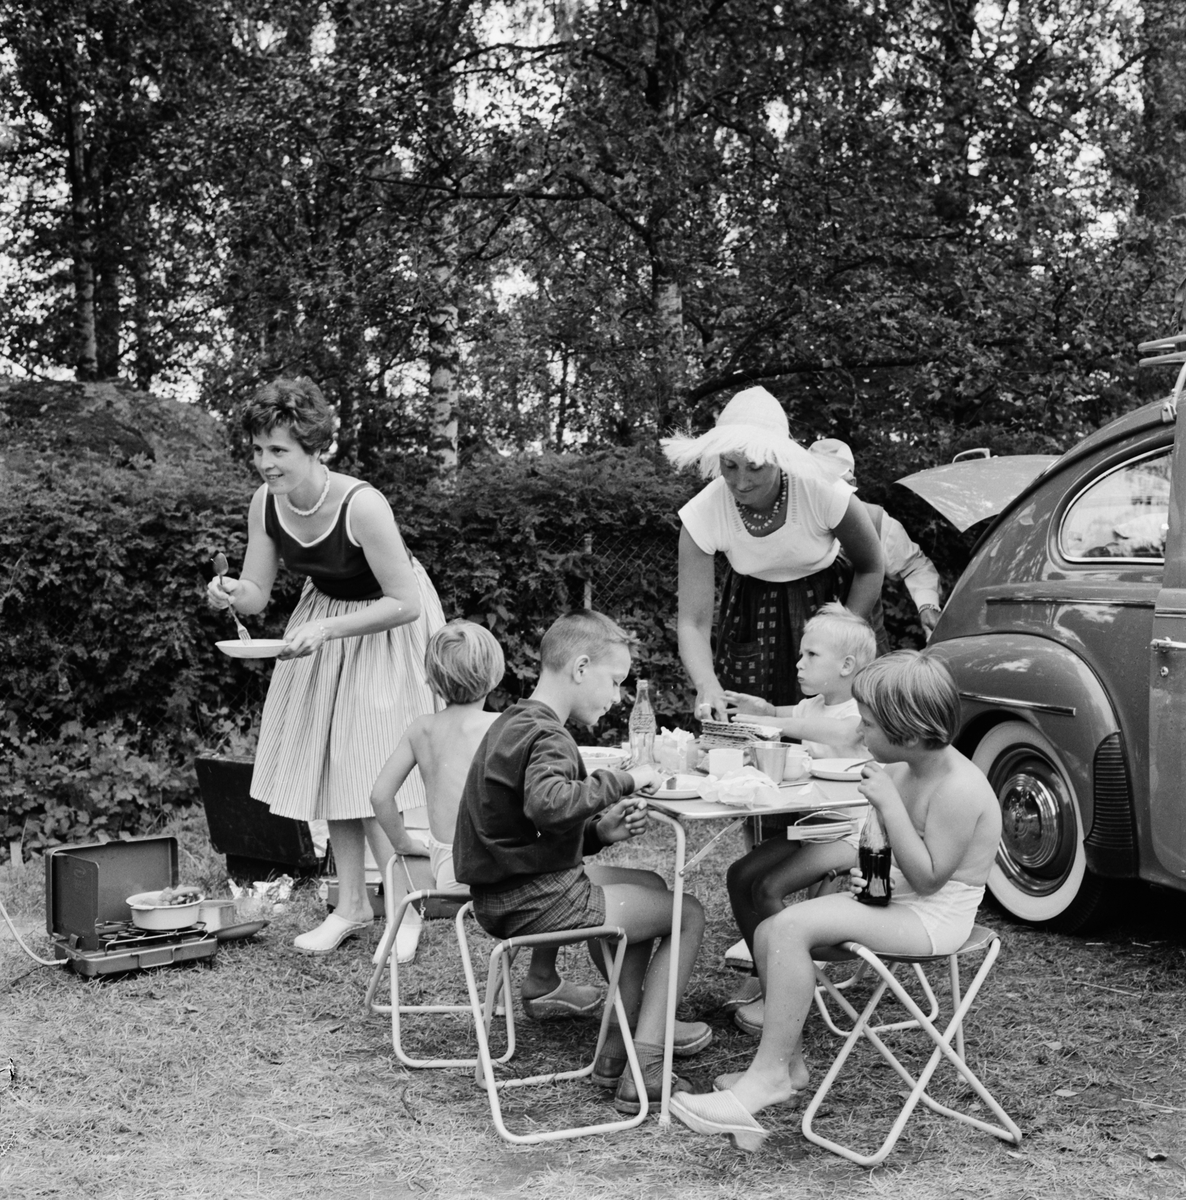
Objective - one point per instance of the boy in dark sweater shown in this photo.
(530, 813)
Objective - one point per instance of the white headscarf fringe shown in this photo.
(757, 443)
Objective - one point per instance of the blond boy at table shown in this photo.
(530, 813)
(463, 663)
(835, 645)
(944, 825)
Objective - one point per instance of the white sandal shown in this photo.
(329, 935)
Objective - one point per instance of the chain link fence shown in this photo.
(618, 568)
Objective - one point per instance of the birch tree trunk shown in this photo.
(443, 353)
(86, 357)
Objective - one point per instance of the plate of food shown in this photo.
(602, 756)
(680, 787)
(256, 648)
(843, 770)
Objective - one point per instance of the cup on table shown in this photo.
(722, 759)
(797, 765)
(770, 758)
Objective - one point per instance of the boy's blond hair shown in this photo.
(581, 632)
(847, 633)
(463, 662)
(912, 698)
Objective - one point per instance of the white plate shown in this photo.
(602, 756)
(256, 648)
(687, 787)
(232, 933)
(840, 769)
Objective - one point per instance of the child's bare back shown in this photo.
(444, 744)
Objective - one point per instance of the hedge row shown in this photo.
(110, 681)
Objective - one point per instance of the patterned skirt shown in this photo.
(332, 719)
(759, 628)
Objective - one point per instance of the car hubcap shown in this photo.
(1036, 822)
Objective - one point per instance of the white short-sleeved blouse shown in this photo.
(805, 543)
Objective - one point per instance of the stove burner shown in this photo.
(124, 935)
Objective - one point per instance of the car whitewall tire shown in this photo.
(1040, 874)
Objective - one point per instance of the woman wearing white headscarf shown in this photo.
(781, 522)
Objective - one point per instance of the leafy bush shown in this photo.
(85, 783)
(504, 547)
(110, 681)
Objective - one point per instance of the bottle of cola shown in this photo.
(642, 726)
(873, 857)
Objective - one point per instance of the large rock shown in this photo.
(109, 419)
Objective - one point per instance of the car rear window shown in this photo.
(1122, 514)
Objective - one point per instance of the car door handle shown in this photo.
(1166, 644)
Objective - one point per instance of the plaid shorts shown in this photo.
(543, 904)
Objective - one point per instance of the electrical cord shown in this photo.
(45, 962)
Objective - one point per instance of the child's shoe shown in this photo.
(690, 1038)
(749, 991)
(568, 1000)
(738, 957)
(751, 1017)
(650, 1059)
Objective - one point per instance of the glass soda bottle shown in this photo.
(873, 857)
(642, 725)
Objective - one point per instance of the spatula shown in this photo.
(221, 567)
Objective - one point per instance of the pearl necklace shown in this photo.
(308, 512)
(757, 524)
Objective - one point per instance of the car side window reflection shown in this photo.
(1123, 514)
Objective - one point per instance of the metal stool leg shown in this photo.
(1007, 1130)
(482, 1015)
(862, 972)
(387, 959)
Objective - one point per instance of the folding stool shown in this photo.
(386, 958)
(498, 981)
(883, 965)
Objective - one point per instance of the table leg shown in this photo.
(677, 911)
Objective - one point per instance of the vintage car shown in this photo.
(1067, 636)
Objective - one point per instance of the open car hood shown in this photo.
(970, 491)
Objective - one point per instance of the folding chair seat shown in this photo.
(861, 972)
(385, 958)
(882, 967)
(498, 981)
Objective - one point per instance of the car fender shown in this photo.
(1009, 676)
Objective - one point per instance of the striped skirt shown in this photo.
(332, 719)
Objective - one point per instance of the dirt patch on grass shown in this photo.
(260, 1075)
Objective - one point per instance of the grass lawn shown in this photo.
(260, 1075)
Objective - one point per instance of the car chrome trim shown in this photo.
(1059, 710)
(1068, 599)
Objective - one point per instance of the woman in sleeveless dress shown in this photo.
(351, 678)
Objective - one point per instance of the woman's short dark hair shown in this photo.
(299, 406)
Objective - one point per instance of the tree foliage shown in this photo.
(558, 222)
